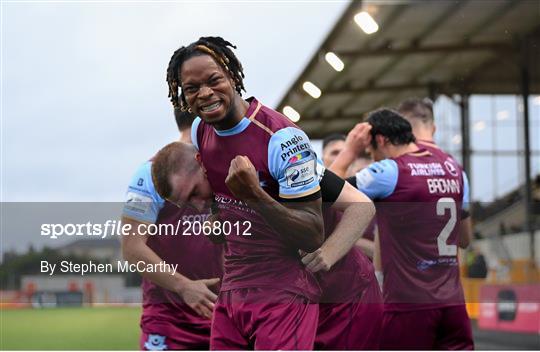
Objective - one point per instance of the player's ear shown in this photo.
(231, 80)
(198, 158)
(433, 129)
(381, 140)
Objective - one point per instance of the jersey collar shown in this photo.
(420, 152)
(252, 110)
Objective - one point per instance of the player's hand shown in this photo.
(197, 295)
(359, 138)
(242, 179)
(317, 261)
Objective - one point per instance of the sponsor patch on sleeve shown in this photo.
(364, 179)
(137, 203)
(301, 173)
(298, 157)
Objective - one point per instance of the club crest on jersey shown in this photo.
(155, 343)
(425, 264)
(450, 167)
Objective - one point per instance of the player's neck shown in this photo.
(185, 136)
(423, 133)
(399, 150)
(427, 137)
(240, 108)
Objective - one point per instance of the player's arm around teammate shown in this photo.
(194, 293)
(302, 221)
(358, 211)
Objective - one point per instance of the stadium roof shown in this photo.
(421, 48)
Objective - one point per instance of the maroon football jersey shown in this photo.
(434, 148)
(164, 312)
(197, 258)
(419, 198)
(256, 256)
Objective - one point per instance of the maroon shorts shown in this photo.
(445, 328)
(351, 326)
(263, 319)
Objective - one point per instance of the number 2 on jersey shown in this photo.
(442, 205)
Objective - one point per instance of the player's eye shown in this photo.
(190, 89)
(215, 80)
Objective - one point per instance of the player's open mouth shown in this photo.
(211, 107)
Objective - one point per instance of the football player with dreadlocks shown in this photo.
(264, 174)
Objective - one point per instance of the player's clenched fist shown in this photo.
(359, 137)
(242, 179)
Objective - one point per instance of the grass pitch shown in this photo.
(104, 328)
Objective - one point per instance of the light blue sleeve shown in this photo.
(466, 196)
(379, 179)
(143, 203)
(293, 163)
(194, 127)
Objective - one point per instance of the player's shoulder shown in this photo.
(286, 138)
(438, 151)
(383, 166)
(290, 144)
(142, 203)
(379, 179)
(144, 170)
(142, 179)
(379, 171)
(447, 161)
(273, 120)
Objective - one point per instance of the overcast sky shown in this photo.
(84, 97)
(83, 87)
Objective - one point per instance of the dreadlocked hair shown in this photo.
(218, 49)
